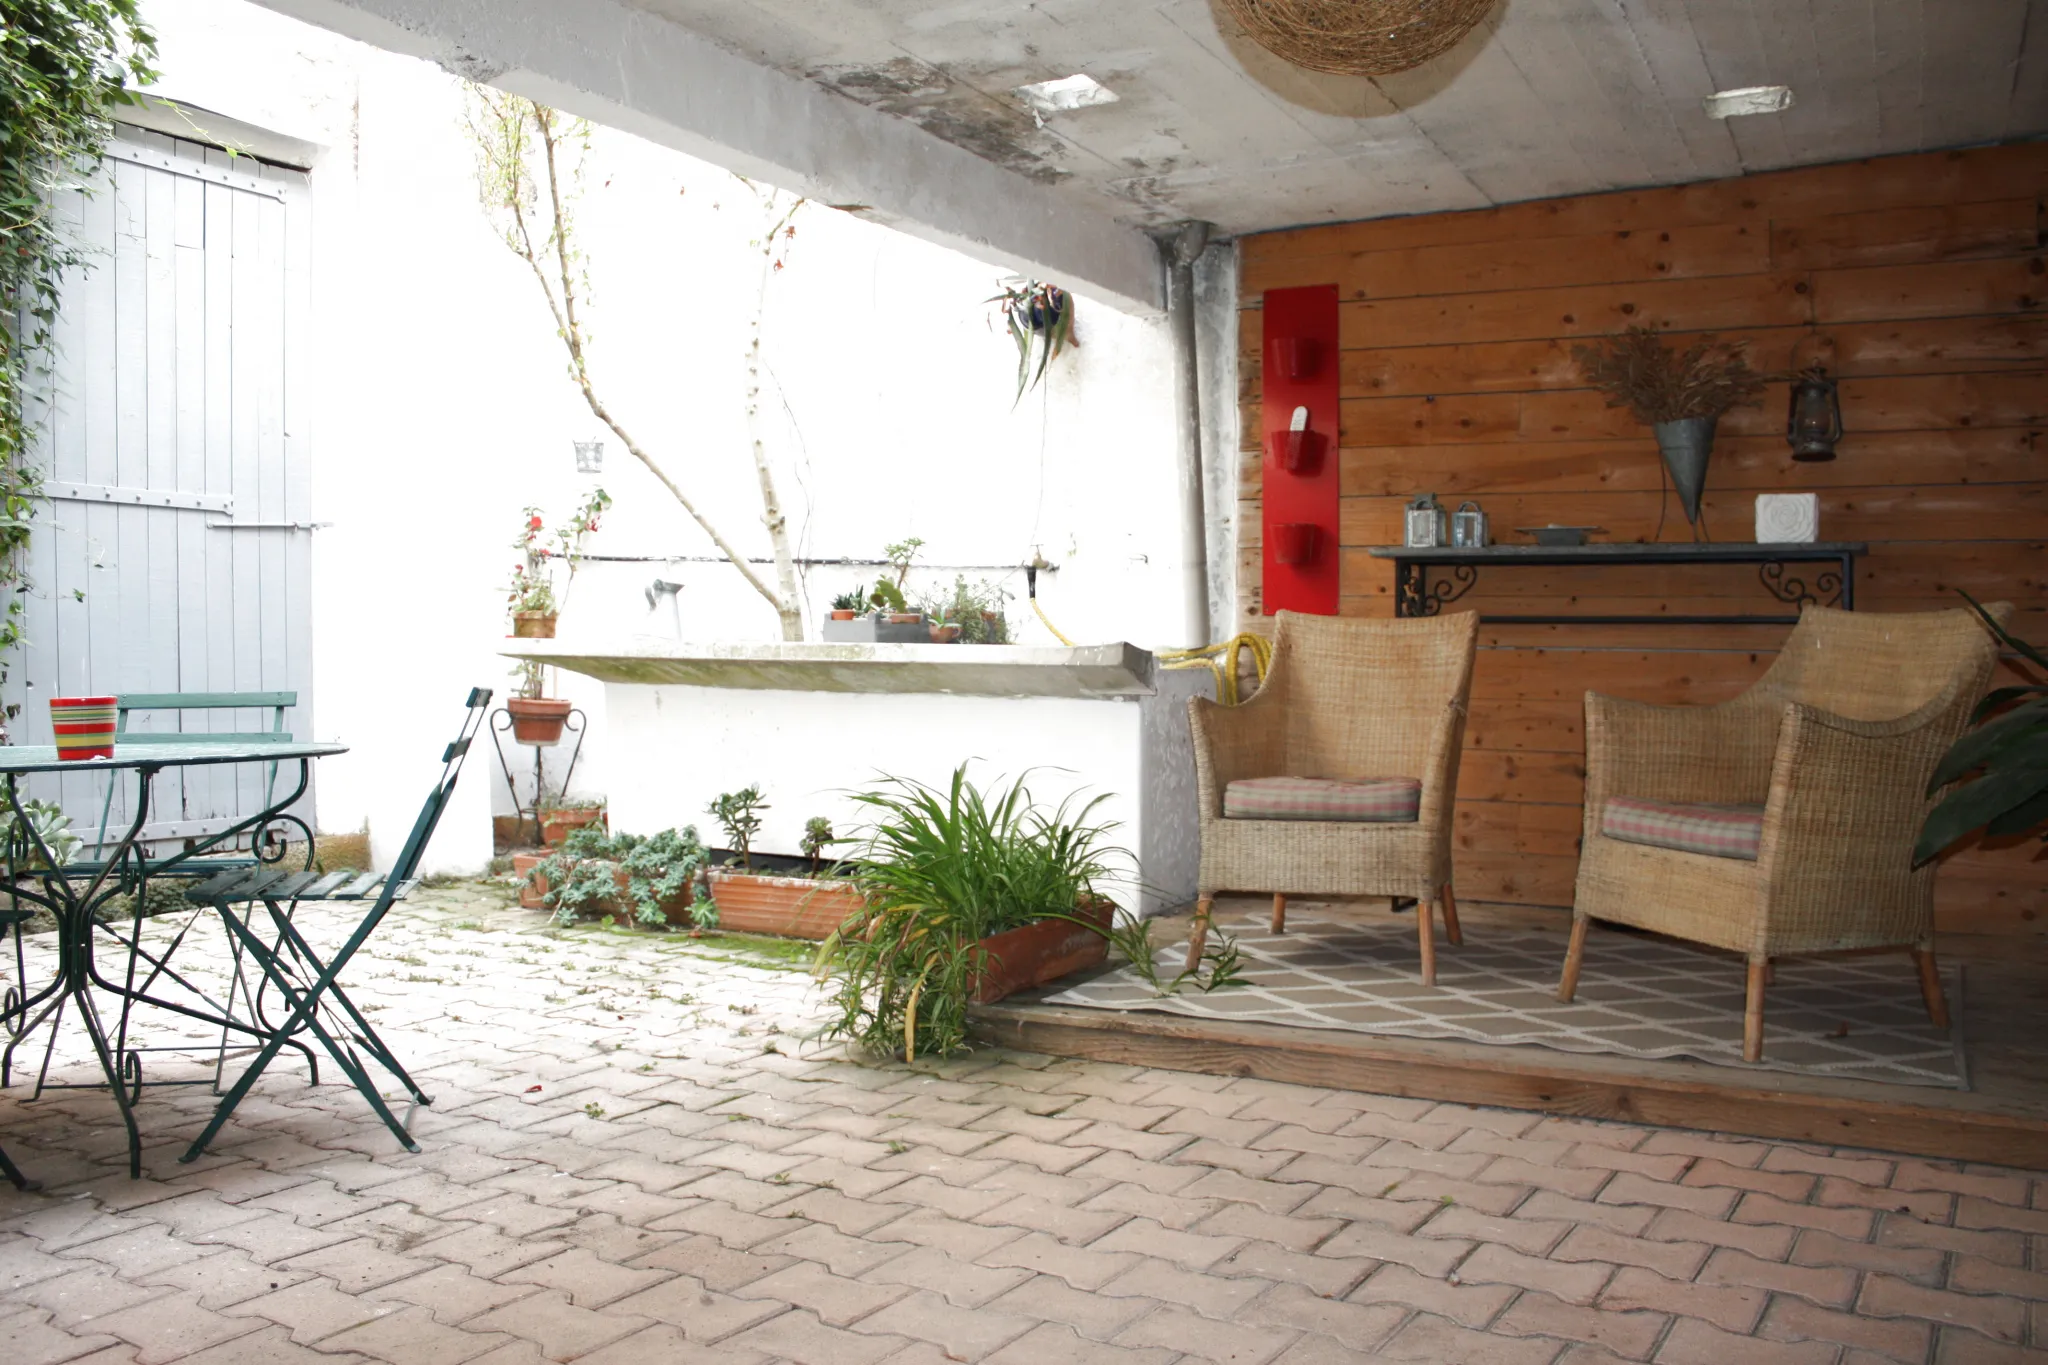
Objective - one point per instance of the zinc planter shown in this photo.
(1045, 951)
(787, 907)
(1685, 445)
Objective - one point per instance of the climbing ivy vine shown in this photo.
(64, 64)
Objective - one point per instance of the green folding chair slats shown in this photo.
(277, 703)
(311, 986)
(318, 890)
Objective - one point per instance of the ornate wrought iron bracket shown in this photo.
(573, 723)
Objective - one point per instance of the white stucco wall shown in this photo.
(441, 408)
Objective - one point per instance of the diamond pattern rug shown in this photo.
(1857, 1018)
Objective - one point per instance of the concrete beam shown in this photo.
(622, 66)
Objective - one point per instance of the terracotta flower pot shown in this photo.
(556, 823)
(905, 618)
(533, 625)
(841, 614)
(1034, 954)
(538, 720)
(791, 907)
(945, 635)
(530, 892)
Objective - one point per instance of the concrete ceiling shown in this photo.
(1547, 97)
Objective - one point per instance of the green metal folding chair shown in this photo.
(309, 984)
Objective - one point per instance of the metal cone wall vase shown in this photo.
(1685, 445)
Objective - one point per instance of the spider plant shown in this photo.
(942, 869)
(2009, 755)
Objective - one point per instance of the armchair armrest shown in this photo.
(1233, 742)
(1847, 798)
(1678, 753)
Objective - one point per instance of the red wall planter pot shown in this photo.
(1296, 542)
(787, 907)
(1297, 452)
(1035, 954)
(1299, 489)
(1296, 357)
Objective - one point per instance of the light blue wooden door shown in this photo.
(173, 553)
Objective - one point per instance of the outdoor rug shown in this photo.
(1857, 1018)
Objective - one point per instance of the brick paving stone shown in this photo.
(1576, 1181)
(1082, 1267)
(89, 1292)
(799, 1336)
(1049, 1299)
(833, 1249)
(170, 1326)
(1791, 1319)
(1329, 1276)
(663, 1344)
(1733, 1308)
(1359, 1326)
(1227, 1343)
(450, 1293)
(1250, 1221)
(926, 1227)
(1970, 1275)
(1868, 1170)
(1170, 1283)
(312, 1309)
(1437, 1342)
(1693, 1342)
(30, 1338)
(1531, 1236)
(1574, 1282)
(1929, 1206)
(1826, 1249)
(836, 1299)
(413, 1337)
(703, 1313)
(359, 1264)
(1851, 1223)
(1399, 1215)
(1047, 1156)
(1912, 1174)
(1165, 1209)
(1630, 1220)
(1770, 1242)
(1626, 1187)
(1996, 1316)
(1711, 1171)
(1468, 1305)
(961, 1333)
(1430, 1255)
(1673, 1260)
(1050, 1342)
(1974, 1211)
(1967, 1348)
(1901, 1230)
(1196, 1251)
(1068, 1223)
(1629, 1334)
(588, 1281)
(960, 1282)
(1829, 1286)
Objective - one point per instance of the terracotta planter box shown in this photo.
(676, 909)
(555, 825)
(1035, 954)
(788, 907)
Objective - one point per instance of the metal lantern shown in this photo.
(1425, 523)
(1814, 423)
(1468, 527)
(589, 457)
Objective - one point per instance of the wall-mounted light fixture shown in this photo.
(589, 457)
(1814, 423)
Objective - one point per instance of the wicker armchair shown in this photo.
(1356, 732)
(1782, 822)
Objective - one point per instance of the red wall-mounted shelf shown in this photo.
(1300, 359)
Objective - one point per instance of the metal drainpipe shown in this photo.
(1180, 249)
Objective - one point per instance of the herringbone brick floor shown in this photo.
(632, 1156)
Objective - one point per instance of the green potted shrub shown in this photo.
(967, 898)
(647, 880)
(770, 894)
(2000, 768)
(560, 814)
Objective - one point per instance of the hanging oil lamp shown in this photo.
(1814, 423)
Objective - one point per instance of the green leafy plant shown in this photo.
(64, 64)
(817, 837)
(1040, 319)
(976, 608)
(2001, 766)
(582, 876)
(849, 601)
(887, 594)
(703, 913)
(940, 870)
(739, 815)
(48, 822)
(1659, 383)
(1220, 968)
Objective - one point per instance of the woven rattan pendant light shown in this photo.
(1357, 37)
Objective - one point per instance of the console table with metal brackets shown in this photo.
(1833, 577)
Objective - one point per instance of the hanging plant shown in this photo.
(63, 65)
(1660, 383)
(1040, 317)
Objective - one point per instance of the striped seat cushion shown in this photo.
(1379, 800)
(1719, 831)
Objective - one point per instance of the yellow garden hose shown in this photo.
(1221, 659)
(1048, 623)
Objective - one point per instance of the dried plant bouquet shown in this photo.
(1660, 383)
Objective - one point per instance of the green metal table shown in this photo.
(74, 900)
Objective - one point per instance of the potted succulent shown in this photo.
(848, 605)
(762, 893)
(1680, 395)
(967, 898)
(596, 874)
(558, 815)
(1040, 320)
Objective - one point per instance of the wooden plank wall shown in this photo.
(1918, 279)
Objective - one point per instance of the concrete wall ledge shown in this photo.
(1086, 671)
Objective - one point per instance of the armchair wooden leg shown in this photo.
(1200, 933)
(1930, 987)
(1574, 956)
(1451, 930)
(1279, 913)
(1753, 1012)
(1426, 928)
(1770, 972)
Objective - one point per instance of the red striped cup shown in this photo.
(84, 726)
